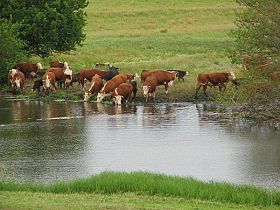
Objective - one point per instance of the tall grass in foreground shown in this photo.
(155, 184)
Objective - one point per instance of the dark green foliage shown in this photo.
(258, 29)
(11, 48)
(47, 26)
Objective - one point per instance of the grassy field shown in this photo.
(137, 190)
(135, 35)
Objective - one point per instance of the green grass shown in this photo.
(28, 200)
(136, 35)
(155, 184)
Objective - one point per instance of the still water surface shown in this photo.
(44, 142)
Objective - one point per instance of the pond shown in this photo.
(49, 141)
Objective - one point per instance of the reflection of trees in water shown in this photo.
(45, 147)
(159, 115)
(258, 147)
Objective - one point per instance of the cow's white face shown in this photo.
(87, 96)
(68, 72)
(33, 74)
(118, 100)
(66, 66)
(100, 97)
(40, 67)
(13, 72)
(170, 83)
(145, 90)
(47, 82)
(17, 83)
(232, 76)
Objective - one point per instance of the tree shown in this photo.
(47, 26)
(11, 48)
(258, 29)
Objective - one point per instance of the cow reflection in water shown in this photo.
(159, 116)
(100, 108)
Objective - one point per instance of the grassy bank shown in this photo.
(154, 184)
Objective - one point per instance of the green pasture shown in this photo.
(179, 34)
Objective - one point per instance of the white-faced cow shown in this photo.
(96, 85)
(49, 81)
(122, 93)
(110, 86)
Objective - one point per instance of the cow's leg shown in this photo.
(204, 90)
(197, 89)
(166, 88)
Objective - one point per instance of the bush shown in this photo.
(11, 48)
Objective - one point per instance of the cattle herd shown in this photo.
(120, 86)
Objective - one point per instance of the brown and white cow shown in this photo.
(165, 78)
(49, 81)
(180, 74)
(16, 79)
(122, 93)
(149, 87)
(112, 84)
(214, 79)
(29, 69)
(62, 75)
(87, 74)
(96, 85)
(58, 64)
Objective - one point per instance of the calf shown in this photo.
(180, 74)
(87, 74)
(29, 69)
(49, 81)
(62, 75)
(16, 79)
(75, 78)
(112, 84)
(113, 71)
(122, 92)
(37, 84)
(96, 85)
(149, 87)
(214, 79)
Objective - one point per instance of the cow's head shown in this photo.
(66, 66)
(145, 90)
(39, 65)
(13, 72)
(87, 96)
(118, 100)
(47, 83)
(231, 76)
(100, 97)
(17, 82)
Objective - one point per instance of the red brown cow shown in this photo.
(112, 84)
(62, 75)
(214, 79)
(96, 85)
(122, 93)
(58, 64)
(149, 87)
(16, 79)
(49, 81)
(87, 74)
(165, 78)
(29, 69)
